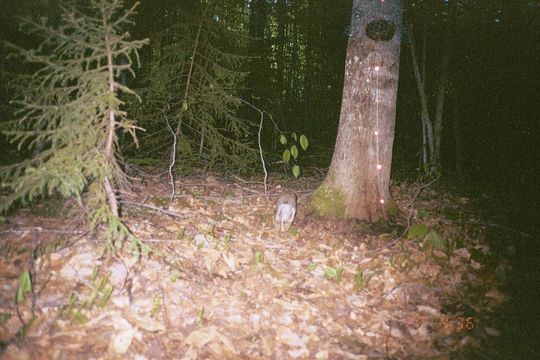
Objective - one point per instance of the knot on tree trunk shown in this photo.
(380, 30)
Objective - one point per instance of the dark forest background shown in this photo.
(293, 54)
(295, 72)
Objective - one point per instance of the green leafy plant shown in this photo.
(435, 240)
(427, 237)
(105, 296)
(291, 152)
(417, 231)
(335, 273)
(102, 290)
(361, 281)
(74, 310)
(25, 285)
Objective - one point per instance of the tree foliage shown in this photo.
(68, 112)
(192, 82)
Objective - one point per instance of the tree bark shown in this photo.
(357, 184)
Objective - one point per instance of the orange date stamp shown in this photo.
(459, 323)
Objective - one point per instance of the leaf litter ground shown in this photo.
(224, 283)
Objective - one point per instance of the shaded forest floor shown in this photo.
(223, 283)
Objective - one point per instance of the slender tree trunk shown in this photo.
(357, 184)
(441, 92)
(424, 53)
(295, 68)
(458, 142)
(281, 40)
(310, 69)
(425, 158)
(420, 82)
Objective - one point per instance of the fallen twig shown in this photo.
(155, 208)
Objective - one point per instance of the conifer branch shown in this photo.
(72, 113)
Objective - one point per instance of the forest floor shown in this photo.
(223, 283)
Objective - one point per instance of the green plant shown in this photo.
(156, 304)
(417, 231)
(21, 334)
(5, 316)
(74, 310)
(427, 237)
(435, 240)
(175, 276)
(259, 258)
(200, 315)
(101, 292)
(227, 242)
(181, 232)
(334, 273)
(69, 111)
(361, 281)
(25, 285)
(291, 152)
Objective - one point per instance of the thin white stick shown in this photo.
(259, 143)
(173, 158)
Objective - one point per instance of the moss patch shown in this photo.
(392, 208)
(327, 201)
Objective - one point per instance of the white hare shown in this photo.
(285, 210)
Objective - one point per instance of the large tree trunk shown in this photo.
(357, 184)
